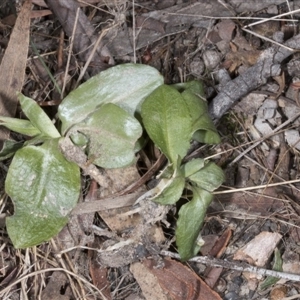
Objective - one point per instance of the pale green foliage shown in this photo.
(124, 85)
(101, 116)
(38, 117)
(44, 187)
(166, 119)
(172, 119)
(111, 133)
(191, 217)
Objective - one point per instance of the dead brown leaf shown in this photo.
(98, 273)
(226, 30)
(249, 203)
(84, 34)
(148, 282)
(40, 13)
(12, 68)
(53, 289)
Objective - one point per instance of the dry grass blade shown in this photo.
(12, 68)
(250, 188)
(236, 266)
(19, 280)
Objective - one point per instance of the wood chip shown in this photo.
(259, 250)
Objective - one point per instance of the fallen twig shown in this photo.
(268, 65)
(296, 116)
(243, 267)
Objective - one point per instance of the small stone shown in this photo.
(231, 296)
(197, 67)
(211, 59)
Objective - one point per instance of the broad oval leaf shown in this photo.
(112, 133)
(167, 121)
(125, 85)
(189, 223)
(192, 167)
(208, 176)
(44, 187)
(38, 117)
(18, 125)
(193, 86)
(203, 128)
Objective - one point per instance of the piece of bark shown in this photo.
(212, 274)
(268, 65)
(12, 68)
(180, 282)
(258, 250)
(106, 204)
(84, 36)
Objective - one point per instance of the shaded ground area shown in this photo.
(247, 56)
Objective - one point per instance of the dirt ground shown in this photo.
(247, 55)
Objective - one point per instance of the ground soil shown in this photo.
(247, 56)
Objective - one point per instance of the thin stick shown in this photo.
(275, 18)
(103, 33)
(70, 52)
(268, 40)
(250, 188)
(243, 267)
(75, 292)
(51, 270)
(133, 33)
(265, 137)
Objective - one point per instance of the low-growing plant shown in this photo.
(105, 118)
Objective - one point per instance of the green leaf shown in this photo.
(193, 86)
(192, 167)
(125, 85)
(168, 190)
(39, 139)
(203, 127)
(112, 133)
(167, 121)
(44, 187)
(208, 176)
(9, 148)
(18, 125)
(38, 117)
(277, 266)
(79, 139)
(189, 223)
